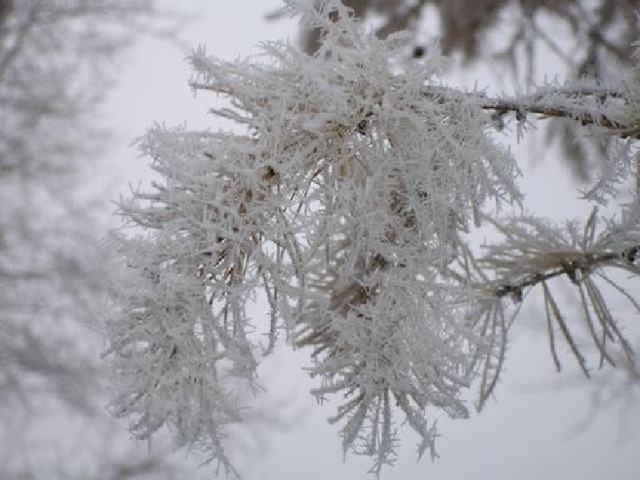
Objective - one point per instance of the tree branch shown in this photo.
(575, 268)
(623, 130)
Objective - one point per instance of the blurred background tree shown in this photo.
(58, 60)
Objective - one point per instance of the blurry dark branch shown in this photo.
(5, 8)
(18, 42)
(401, 20)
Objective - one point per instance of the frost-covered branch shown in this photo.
(556, 106)
(535, 251)
(614, 110)
(343, 201)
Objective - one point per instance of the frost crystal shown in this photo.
(341, 201)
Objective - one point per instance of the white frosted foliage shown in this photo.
(341, 199)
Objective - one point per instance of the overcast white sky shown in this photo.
(532, 429)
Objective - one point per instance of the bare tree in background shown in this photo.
(593, 39)
(55, 67)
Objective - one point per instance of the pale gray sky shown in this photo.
(531, 430)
